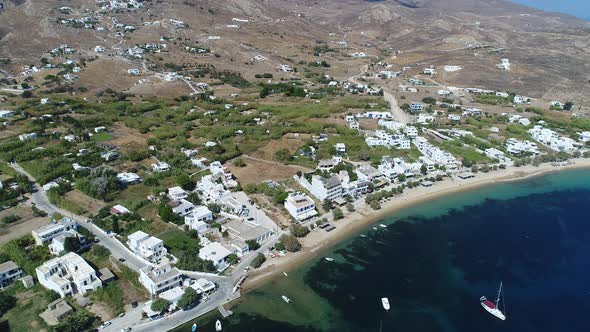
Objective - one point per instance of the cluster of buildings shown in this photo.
(55, 233)
(383, 138)
(553, 140)
(435, 154)
(517, 147)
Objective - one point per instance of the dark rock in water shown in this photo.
(408, 3)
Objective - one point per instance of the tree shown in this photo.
(252, 244)
(290, 243)
(160, 305)
(327, 204)
(282, 155)
(7, 302)
(165, 212)
(71, 244)
(185, 182)
(239, 162)
(81, 320)
(27, 94)
(337, 213)
(429, 100)
(298, 230)
(232, 259)
(401, 177)
(424, 169)
(115, 225)
(349, 207)
(258, 261)
(568, 106)
(189, 297)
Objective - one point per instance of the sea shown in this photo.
(578, 8)
(435, 260)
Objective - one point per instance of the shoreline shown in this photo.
(318, 240)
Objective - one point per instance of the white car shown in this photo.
(104, 325)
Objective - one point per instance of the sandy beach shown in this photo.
(319, 240)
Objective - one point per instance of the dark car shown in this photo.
(122, 260)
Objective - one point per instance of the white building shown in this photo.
(177, 193)
(148, 247)
(553, 140)
(68, 275)
(326, 188)
(429, 71)
(57, 244)
(450, 68)
(28, 136)
(584, 136)
(46, 233)
(454, 117)
(160, 167)
(436, 154)
(340, 148)
(494, 153)
(521, 99)
(181, 207)
(6, 114)
(416, 107)
(504, 64)
(128, 178)
(9, 272)
(160, 278)
(517, 147)
(216, 253)
(300, 206)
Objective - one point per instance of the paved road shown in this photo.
(115, 247)
(133, 317)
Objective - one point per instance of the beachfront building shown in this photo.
(245, 231)
(300, 206)
(46, 233)
(160, 278)
(435, 154)
(368, 173)
(9, 272)
(383, 138)
(553, 140)
(326, 188)
(496, 154)
(148, 247)
(518, 147)
(68, 275)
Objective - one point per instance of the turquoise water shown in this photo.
(436, 259)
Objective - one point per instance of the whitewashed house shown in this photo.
(146, 246)
(216, 253)
(48, 232)
(160, 278)
(300, 206)
(68, 275)
(160, 167)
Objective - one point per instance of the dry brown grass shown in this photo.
(257, 171)
(91, 205)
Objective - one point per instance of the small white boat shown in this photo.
(375, 228)
(194, 328)
(285, 273)
(218, 325)
(492, 307)
(363, 236)
(382, 226)
(329, 259)
(286, 299)
(385, 302)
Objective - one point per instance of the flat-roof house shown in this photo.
(216, 253)
(203, 286)
(119, 209)
(340, 148)
(68, 275)
(160, 278)
(28, 136)
(300, 206)
(198, 217)
(326, 188)
(56, 311)
(46, 233)
(160, 167)
(181, 207)
(177, 193)
(6, 114)
(57, 244)
(416, 107)
(128, 178)
(9, 272)
(149, 247)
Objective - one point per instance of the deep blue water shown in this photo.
(435, 260)
(578, 8)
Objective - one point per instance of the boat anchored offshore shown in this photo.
(382, 226)
(493, 308)
(385, 302)
(329, 259)
(218, 325)
(286, 299)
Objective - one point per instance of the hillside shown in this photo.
(549, 52)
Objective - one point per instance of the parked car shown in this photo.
(122, 260)
(104, 325)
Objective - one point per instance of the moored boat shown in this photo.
(218, 325)
(492, 307)
(385, 302)
(329, 259)
(382, 226)
(286, 299)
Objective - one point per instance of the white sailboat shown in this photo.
(493, 308)
(385, 302)
(218, 325)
